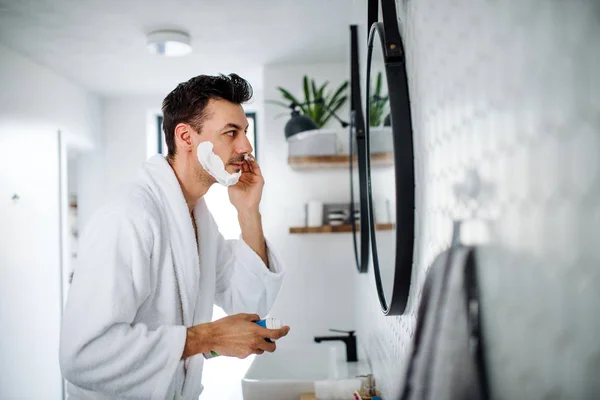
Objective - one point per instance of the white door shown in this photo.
(30, 264)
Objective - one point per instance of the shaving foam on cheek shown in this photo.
(213, 164)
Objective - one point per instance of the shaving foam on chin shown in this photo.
(213, 164)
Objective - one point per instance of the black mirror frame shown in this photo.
(357, 127)
(399, 98)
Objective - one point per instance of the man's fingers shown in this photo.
(250, 317)
(278, 333)
(274, 333)
(266, 346)
(254, 165)
(245, 167)
(248, 165)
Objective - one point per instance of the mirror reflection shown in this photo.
(355, 195)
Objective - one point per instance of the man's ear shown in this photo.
(183, 137)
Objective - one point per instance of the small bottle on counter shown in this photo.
(269, 323)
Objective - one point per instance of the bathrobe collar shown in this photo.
(166, 187)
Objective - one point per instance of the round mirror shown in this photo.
(358, 170)
(390, 168)
(358, 202)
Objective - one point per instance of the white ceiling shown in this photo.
(101, 44)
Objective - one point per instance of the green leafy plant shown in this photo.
(377, 103)
(317, 105)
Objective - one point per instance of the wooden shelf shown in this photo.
(334, 229)
(336, 161)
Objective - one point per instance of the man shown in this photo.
(152, 262)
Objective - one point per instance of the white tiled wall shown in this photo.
(510, 89)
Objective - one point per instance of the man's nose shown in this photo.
(244, 146)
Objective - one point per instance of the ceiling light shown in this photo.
(169, 43)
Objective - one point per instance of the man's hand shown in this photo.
(246, 194)
(234, 336)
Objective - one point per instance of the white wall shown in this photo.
(511, 90)
(318, 292)
(128, 138)
(33, 93)
(127, 133)
(35, 104)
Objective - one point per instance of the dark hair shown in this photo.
(187, 102)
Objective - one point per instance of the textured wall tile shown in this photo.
(510, 90)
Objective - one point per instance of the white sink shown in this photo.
(293, 370)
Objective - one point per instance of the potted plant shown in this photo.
(377, 103)
(317, 104)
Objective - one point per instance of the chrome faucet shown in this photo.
(349, 340)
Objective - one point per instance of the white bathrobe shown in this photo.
(141, 280)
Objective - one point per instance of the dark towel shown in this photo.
(447, 357)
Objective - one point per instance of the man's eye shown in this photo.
(231, 133)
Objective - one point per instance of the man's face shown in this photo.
(225, 126)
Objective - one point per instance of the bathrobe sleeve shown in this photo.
(244, 284)
(101, 348)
